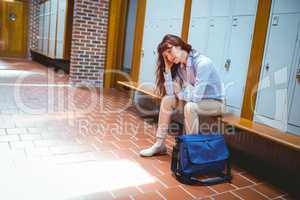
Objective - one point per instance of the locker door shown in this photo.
(52, 34)
(245, 7)
(221, 7)
(234, 74)
(218, 40)
(278, 58)
(162, 17)
(148, 59)
(46, 27)
(286, 6)
(294, 105)
(201, 8)
(198, 34)
(153, 35)
(166, 9)
(41, 27)
(62, 6)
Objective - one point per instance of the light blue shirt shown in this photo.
(201, 80)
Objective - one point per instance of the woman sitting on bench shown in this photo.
(188, 82)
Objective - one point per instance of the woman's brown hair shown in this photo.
(167, 42)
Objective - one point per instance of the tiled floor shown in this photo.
(62, 142)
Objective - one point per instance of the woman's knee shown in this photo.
(190, 107)
(168, 102)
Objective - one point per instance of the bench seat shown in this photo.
(273, 134)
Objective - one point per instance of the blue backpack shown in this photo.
(201, 155)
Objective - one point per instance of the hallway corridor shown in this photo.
(58, 141)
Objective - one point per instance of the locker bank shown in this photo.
(78, 101)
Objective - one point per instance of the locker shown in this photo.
(225, 36)
(198, 34)
(277, 65)
(52, 28)
(153, 34)
(46, 27)
(129, 36)
(286, 6)
(234, 74)
(162, 17)
(221, 7)
(245, 7)
(294, 105)
(148, 59)
(61, 28)
(52, 34)
(200, 8)
(167, 9)
(218, 33)
(41, 27)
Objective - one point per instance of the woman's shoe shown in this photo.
(154, 150)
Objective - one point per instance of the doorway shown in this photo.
(126, 23)
(13, 29)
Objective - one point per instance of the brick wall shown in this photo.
(89, 36)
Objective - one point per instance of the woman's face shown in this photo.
(173, 54)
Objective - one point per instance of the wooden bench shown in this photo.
(143, 88)
(266, 149)
(272, 134)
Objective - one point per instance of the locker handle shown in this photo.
(227, 64)
(142, 53)
(267, 66)
(298, 75)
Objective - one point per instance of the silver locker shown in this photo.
(220, 8)
(199, 23)
(198, 34)
(41, 27)
(148, 57)
(218, 35)
(244, 7)
(166, 9)
(62, 9)
(52, 34)
(200, 8)
(286, 6)
(278, 58)
(46, 27)
(234, 72)
(224, 33)
(153, 34)
(294, 100)
(162, 17)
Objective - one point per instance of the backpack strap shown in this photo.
(175, 159)
(223, 177)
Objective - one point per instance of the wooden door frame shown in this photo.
(256, 58)
(138, 40)
(68, 30)
(186, 20)
(116, 40)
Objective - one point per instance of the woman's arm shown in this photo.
(168, 82)
(195, 93)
